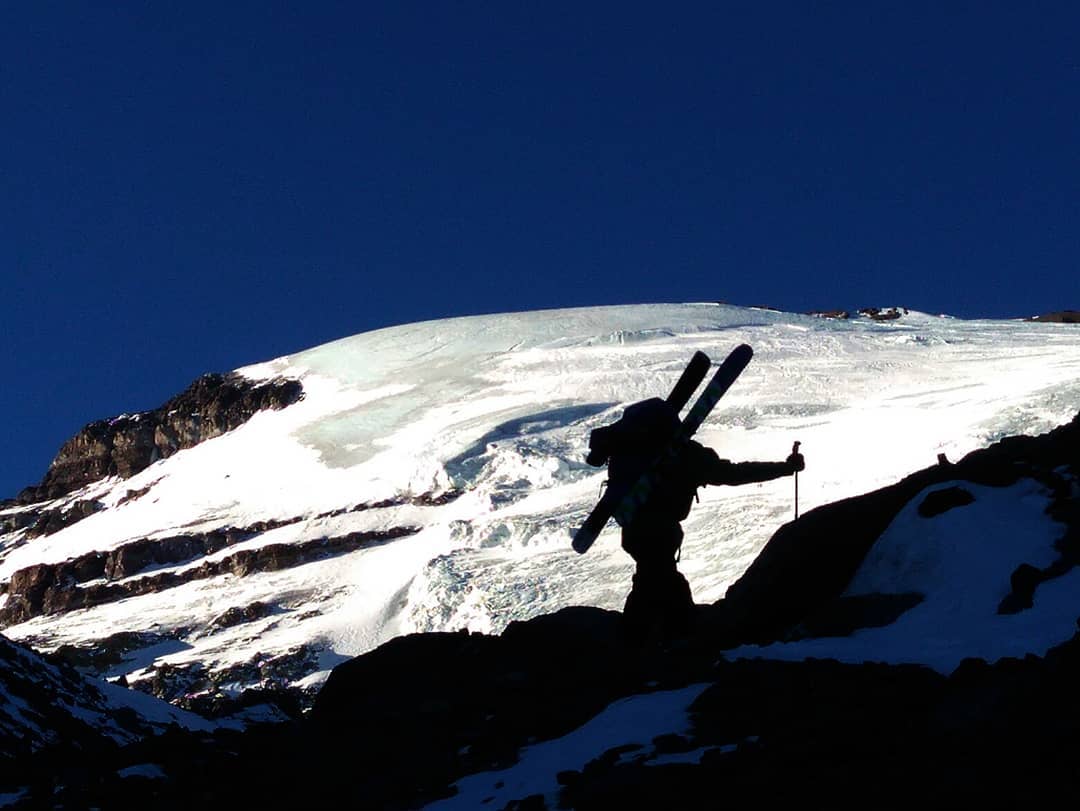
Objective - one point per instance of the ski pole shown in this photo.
(795, 450)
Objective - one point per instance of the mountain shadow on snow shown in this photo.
(468, 463)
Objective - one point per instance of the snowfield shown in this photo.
(498, 409)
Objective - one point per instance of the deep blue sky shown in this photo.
(192, 187)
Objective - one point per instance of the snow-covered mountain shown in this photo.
(915, 622)
(428, 478)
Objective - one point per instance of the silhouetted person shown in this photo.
(660, 600)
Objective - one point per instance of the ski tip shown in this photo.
(688, 382)
(740, 355)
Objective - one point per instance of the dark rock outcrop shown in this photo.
(95, 657)
(883, 314)
(199, 689)
(125, 445)
(1059, 317)
(875, 313)
(13, 522)
(847, 614)
(941, 501)
(46, 519)
(1023, 582)
(238, 615)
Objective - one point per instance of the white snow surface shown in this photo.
(148, 771)
(633, 721)
(501, 407)
(11, 798)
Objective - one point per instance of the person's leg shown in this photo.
(659, 596)
(678, 609)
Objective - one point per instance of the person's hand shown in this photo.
(795, 459)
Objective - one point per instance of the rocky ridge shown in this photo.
(55, 588)
(128, 444)
(873, 313)
(1058, 317)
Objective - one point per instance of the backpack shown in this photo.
(643, 430)
(631, 445)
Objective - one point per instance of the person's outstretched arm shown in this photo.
(723, 471)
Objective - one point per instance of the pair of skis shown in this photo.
(623, 503)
